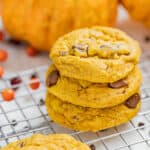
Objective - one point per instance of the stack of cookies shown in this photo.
(94, 82)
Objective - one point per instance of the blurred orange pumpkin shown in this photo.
(41, 22)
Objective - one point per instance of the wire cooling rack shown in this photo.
(26, 115)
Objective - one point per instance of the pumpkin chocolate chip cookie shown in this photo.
(97, 54)
(45, 142)
(91, 119)
(95, 95)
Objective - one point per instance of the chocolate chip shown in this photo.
(92, 147)
(118, 84)
(140, 124)
(147, 38)
(105, 46)
(34, 75)
(13, 122)
(63, 53)
(15, 81)
(133, 101)
(80, 47)
(22, 144)
(26, 127)
(42, 102)
(52, 78)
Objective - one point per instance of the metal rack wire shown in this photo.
(27, 115)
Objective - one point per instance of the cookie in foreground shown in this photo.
(44, 142)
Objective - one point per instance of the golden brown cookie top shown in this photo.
(45, 142)
(101, 42)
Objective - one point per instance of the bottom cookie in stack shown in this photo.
(91, 119)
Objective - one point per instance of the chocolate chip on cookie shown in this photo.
(63, 53)
(105, 46)
(133, 101)
(80, 47)
(22, 144)
(118, 84)
(52, 78)
(80, 50)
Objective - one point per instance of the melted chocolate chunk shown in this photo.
(52, 78)
(133, 101)
(118, 84)
(80, 47)
(92, 147)
(63, 53)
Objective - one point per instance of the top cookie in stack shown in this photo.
(97, 54)
(94, 82)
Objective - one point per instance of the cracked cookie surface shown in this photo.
(91, 119)
(45, 142)
(98, 54)
(94, 95)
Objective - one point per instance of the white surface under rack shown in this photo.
(27, 115)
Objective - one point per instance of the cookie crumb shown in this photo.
(26, 127)
(92, 147)
(140, 124)
(42, 102)
(15, 82)
(14, 122)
